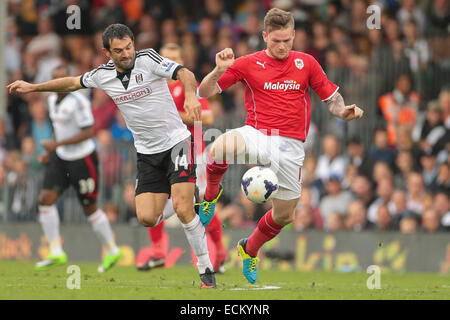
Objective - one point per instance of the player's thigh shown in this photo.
(183, 200)
(55, 181)
(283, 210)
(287, 163)
(152, 188)
(228, 146)
(84, 178)
(149, 206)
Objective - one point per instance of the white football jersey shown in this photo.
(68, 117)
(144, 99)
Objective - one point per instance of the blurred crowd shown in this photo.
(388, 171)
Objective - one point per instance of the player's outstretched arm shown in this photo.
(338, 108)
(208, 87)
(66, 84)
(191, 103)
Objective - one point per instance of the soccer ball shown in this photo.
(259, 184)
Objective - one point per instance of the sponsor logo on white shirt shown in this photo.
(133, 95)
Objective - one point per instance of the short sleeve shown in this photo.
(83, 114)
(163, 67)
(319, 82)
(90, 79)
(232, 75)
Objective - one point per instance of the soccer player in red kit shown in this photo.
(278, 107)
(172, 51)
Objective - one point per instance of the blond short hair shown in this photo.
(277, 19)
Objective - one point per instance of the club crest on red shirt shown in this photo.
(299, 63)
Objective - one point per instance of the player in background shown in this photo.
(276, 82)
(71, 160)
(173, 52)
(135, 80)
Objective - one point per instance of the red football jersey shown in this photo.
(276, 91)
(177, 91)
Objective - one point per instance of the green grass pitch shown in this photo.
(19, 281)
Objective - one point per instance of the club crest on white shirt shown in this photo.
(139, 78)
(299, 63)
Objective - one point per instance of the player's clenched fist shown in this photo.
(20, 86)
(351, 112)
(224, 59)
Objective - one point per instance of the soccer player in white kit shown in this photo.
(276, 82)
(135, 80)
(71, 160)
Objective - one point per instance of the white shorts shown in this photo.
(283, 155)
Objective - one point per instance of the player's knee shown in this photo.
(183, 208)
(147, 220)
(47, 198)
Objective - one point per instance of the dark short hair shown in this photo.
(115, 31)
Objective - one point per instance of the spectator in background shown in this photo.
(42, 53)
(384, 192)
(417, 49)
(357, 217)
(399, 107)
(441, 204)
(381, 151)
(381, 170)
(108, 14)
(431, 221)
(405, 165)
(128, 196)
(336, 199)
(310, 199)
(415, 192)
(119, 129)
(112, 212)
(358, 157)
(398, 207)
(438, 18)
(431, 129)
(363, 190)
(103, 109)
(429, 170)
(383, 220)
(41, 127)
(409, 223)
(334, 222)
(29, 154)
(330, 162)
(110, 162)
(303, 219)
(410, 11)
(442, 183)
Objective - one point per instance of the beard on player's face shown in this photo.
(125, 62)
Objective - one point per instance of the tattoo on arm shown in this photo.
(336, 104)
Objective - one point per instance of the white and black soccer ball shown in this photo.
(259, 184)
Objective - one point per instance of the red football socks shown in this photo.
(214, 174)
(266, 230)
(214, 229)
(156, 235)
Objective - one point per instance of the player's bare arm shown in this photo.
(86, 133)
(338, 108)
(224, 60)
(191, 103)
(66, 84)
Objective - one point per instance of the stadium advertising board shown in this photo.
(313, 250)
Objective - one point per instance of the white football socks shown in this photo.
(102, 228)
(49, 219)
(168, 211)
(196, 236)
